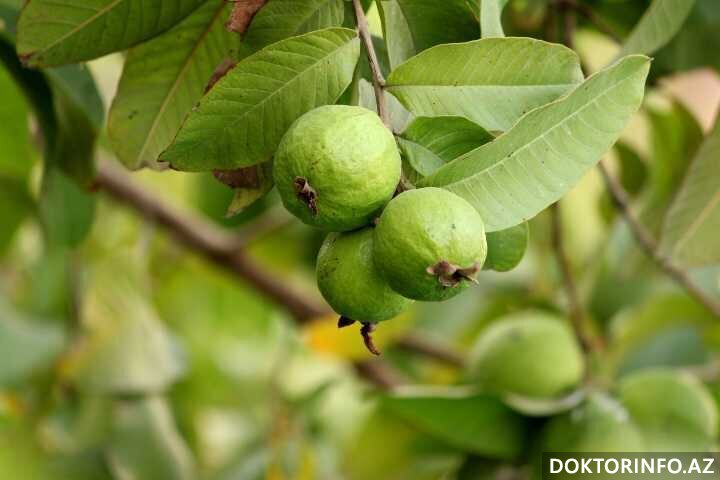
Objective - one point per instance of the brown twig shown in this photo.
(242, 14)
(216, 245)
(575, 310)
(590, 15)
(650, 246)
(378, 81)
(431, 349)
(380, 373)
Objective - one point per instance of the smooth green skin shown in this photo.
(531, 354)
(673, 409)
(349, 281)
(601, 424)
(420, 228)
(348, 157)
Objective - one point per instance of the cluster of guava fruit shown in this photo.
(338, 168)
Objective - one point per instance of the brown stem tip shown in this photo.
(450, 275)
(366, 332)
(306, 194)
(344, 321)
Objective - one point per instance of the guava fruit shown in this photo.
(531, 354)
(600, 424)
(336, 167)
(429, 244)
(674, 410)
(349, 281)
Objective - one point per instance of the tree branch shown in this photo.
(590, 15)
(424, 346)
(650, 246)
(378, 81)
(221, 248)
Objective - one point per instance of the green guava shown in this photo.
(429, 244)
(674, 410)
(601, 424)
(337, 167)
(349, 281)
(532, 354)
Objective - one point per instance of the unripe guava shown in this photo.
(336, 167)
(531, 354)
(601, 424)
(349, 281)
(674, 410)
(429, 244)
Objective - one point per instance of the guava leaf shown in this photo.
(493, 81)
(520, 173)
(242, 119)
(163, 79)
(690, 233)
(428, 143)
(16, 160)
(66, 211)
(399, 116)
(27, 344)
(52, 32)
(411, 26)
(490, 18)
(662, 20)
(280, 19)
(145, 443)
(506, 248)
(474, 422)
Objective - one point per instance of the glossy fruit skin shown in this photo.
(532, 354)
(347, 157)
(349, 281)
(420, 228)
(674, 410)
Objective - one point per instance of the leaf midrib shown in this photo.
(545, 133)
(77, 28)
(178, 80)
(478, 86)
(695, 225)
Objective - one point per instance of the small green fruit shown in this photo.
(673, 409)
(531, 354)
(601, 424)
(429, 244)
(336, 167)
(349, 281)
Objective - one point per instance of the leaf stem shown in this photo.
(378, 81)
(650, 246)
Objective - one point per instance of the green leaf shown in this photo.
(690, 233)
(145, 443)
(411, 26)
(67, 212)
(513, 178)
(242, 119)
(126, 349)
(492, 81)
(428, 143)
(506, 248)
(16, 159)
(17, 205)
(164, 78)
(658, 26)
(399, 116)
(245, 196)
(490, 18)
(26, 344)
(280, 19)
(475, 422)
(54, 32)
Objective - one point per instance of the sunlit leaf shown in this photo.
(662, 20)
(523, 171)
(249, 109)
(55, 33)
(493, 81)
(490, 18)
(164, 78)
(692, 226)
